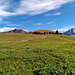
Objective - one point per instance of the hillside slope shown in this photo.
(29, 54)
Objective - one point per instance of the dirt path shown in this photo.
(27, 40)
(44, 36)
(23, 41)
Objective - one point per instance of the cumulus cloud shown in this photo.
(6, 29)
(30, 7)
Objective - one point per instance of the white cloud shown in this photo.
(35, 7)
(7, 23)
(25, 30)
(57, 13)
(4, 7)
(64, 28)
(37, 24)
(50, 22)
(27, 21)
(6, 29)
(53, 14)
(30, 7)
(1, 19)
(10, 24)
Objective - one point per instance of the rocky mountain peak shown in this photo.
(70, 32)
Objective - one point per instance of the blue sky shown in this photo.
(33, 15)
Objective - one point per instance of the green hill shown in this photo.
(30, 54)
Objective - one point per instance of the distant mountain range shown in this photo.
(70, 32)
(16, 31)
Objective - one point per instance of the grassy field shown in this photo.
(29, 54)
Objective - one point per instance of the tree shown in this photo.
(57, 32)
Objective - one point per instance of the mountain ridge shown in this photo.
(70, 32)
(16, 31)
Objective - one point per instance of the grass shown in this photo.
(52, 55)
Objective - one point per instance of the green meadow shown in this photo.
(30, 54)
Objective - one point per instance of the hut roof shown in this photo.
(45, 31)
